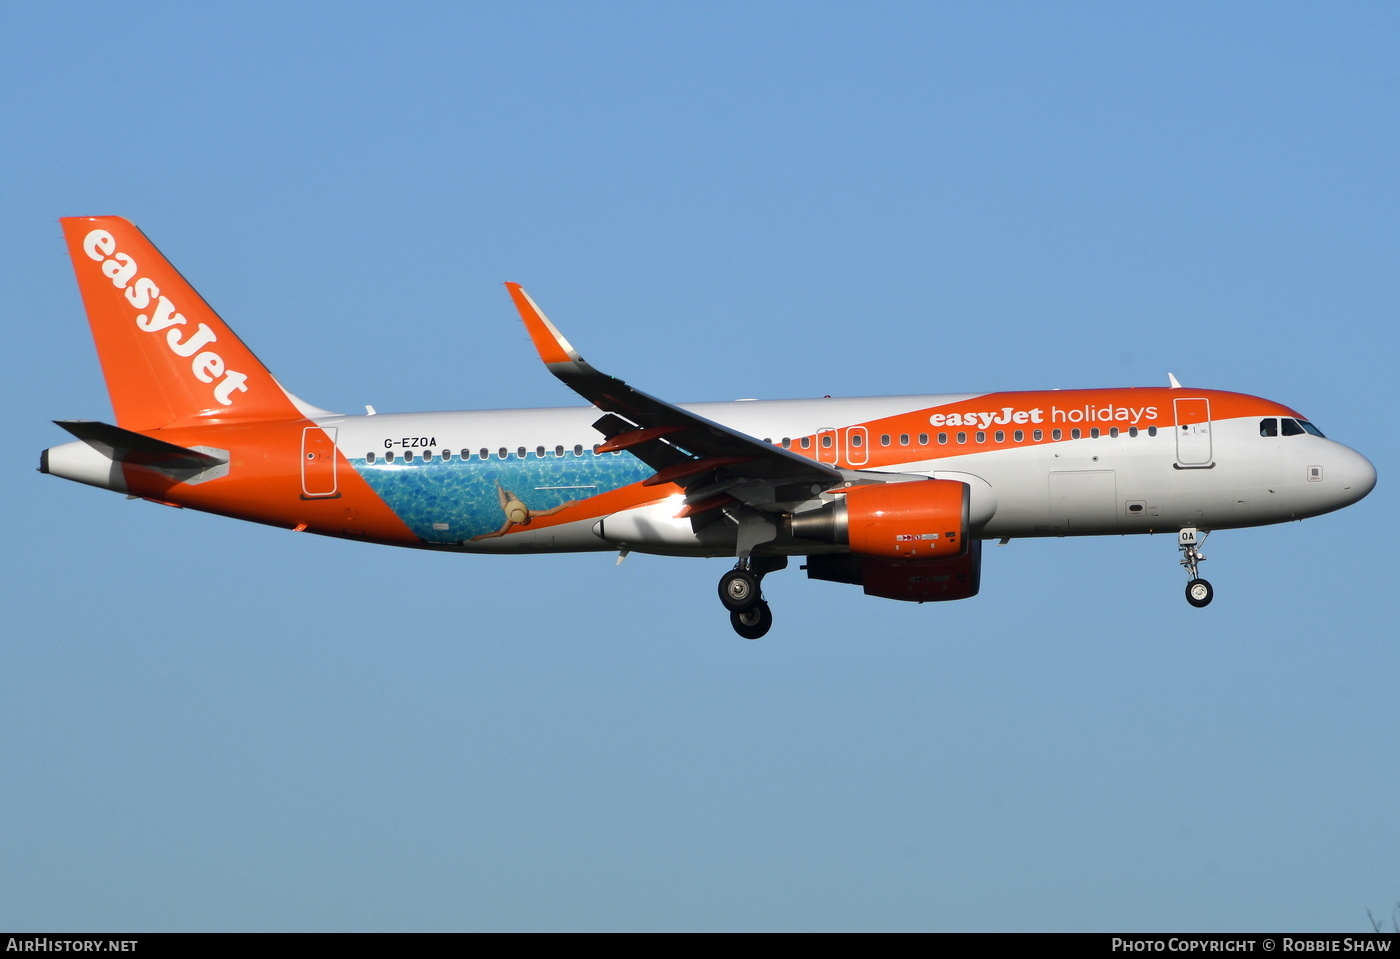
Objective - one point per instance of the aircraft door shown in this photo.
(1193, 448)
(857, 446)
(318, 462)
(827, 451)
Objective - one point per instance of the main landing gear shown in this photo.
(741, 592)
(1198, 592)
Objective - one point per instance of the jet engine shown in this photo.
(921, 519)
(908, 541)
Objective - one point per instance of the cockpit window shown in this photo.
(1309, 428)
(1291, 428)
(1268, 427)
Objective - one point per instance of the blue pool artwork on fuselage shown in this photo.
(451, 501)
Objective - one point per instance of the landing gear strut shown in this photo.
(741, 592)
(1198, 592)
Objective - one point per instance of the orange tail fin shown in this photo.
(167, 357)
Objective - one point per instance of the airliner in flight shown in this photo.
(894, 494)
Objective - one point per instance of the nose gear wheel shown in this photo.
(1199, 592)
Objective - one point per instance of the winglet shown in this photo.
(549, 342)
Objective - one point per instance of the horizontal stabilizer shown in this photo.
(137, 448)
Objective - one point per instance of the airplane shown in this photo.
(894, 494)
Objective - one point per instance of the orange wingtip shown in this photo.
(551, 346)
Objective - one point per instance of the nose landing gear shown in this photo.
(1198, 592)
(741, 592)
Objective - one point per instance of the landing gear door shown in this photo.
(318, 462)
(1193, 450)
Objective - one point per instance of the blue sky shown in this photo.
(213, 725)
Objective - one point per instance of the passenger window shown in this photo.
(503, 453)
(943, 439)
(1038, 435)
(539, 452)
(857, 441)
(1020, 436)
(1152, 431)
(1113, 432)
(884, 439)
(1094, 433)
(369, 457)
(903, 439)
(1074, 433)
(520, 451)
(1268, 427)
(1132, 431)
(826, 442)
(1000, 436)
(923, 439)
(427, 456)
(558, 451)
(446, 455)
(485, 454)
(962, 437)
(578, 449)
(981, 437)
(805, 442)
(389, 456)
(1291, 428)
(1056, 434)
(408, 456)
(787, 442)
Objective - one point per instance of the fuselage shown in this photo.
(1054, 463)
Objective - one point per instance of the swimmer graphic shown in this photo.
(517, 513)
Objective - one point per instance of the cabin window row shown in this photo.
(447, 455)
(856, 441)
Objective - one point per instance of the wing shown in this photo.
(714, 464)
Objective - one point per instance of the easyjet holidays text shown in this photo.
(1088, 413)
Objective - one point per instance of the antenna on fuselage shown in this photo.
(1175, 384)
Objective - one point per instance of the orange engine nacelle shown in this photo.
(926, 519)
(917, 520)
(907, 541)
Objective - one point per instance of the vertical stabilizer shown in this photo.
(168, 358)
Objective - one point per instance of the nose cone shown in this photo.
(1358, 476)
